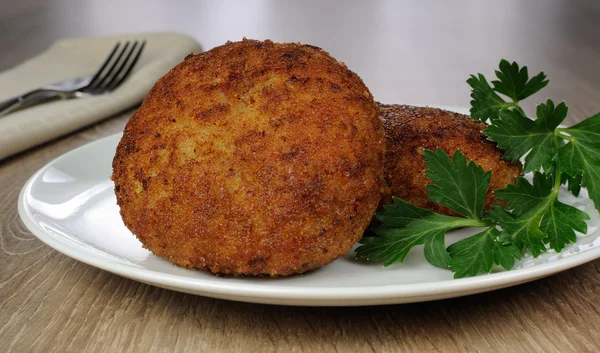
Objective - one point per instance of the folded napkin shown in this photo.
(79, 57)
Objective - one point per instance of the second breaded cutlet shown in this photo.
(410, 130)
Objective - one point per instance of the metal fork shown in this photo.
(113, 72)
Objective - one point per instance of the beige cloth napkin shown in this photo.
(78, 57)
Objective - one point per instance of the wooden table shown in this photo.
(417, 52)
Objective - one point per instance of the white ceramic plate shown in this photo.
(70, 205)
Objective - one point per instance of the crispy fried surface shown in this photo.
(409, 130)
(252, 158)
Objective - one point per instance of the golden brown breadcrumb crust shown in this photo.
(409, 130)
(252, 158)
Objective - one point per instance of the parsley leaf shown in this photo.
(505, 253)
(588, 130)
(582, 155)
(523, 196)
(485, 103)
(512, 82)
(540, 216)
(524, 231)
(549, 117)
(573, 183)
(559, 223)
(459, 185)
(518, 134)
(479, 252)
(435, 250)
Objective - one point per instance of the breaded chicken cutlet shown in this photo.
(409, 130)
(252, 158)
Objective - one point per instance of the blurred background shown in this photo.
(417, 52)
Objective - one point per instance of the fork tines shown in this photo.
(117, 66)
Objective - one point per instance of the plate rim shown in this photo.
(291, 295)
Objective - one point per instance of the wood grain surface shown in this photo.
(415, 52)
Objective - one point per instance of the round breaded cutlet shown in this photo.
(410, 130)
(252, 158)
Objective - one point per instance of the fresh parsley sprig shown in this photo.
(513, 82)
(460, 186)
(533, 220)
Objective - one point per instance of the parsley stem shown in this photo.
(563, 136)
(515, 104)
(467, 222)
(557, 172)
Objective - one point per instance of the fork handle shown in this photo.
(31, 98)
